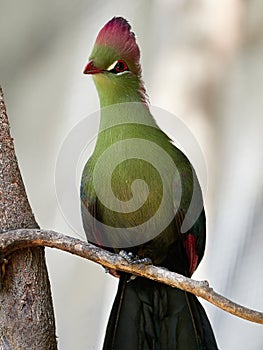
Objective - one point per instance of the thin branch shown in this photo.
(18, 239)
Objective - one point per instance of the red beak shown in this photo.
(91, 69)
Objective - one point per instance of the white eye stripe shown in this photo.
(112, 66)
(124, 72)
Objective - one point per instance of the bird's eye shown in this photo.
(121, 66)
(118, 67)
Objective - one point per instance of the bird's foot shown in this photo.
(131, 259)
(134, 259)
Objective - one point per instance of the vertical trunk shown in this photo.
(26, 311)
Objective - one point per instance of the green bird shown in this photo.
(140, 194)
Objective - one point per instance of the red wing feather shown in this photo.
(190, 248)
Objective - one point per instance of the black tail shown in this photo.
(147, 315)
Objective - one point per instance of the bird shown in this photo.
(140, 195)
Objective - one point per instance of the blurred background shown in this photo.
(202, 61)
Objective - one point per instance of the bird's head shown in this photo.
(115, 64)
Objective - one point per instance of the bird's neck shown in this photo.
(136, 113)
(113, 90)
(123, 103)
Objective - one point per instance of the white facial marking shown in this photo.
(112, 66)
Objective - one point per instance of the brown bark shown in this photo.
(26, 311)
(19, 239)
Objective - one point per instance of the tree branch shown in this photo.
(26, 311)
(18, 239)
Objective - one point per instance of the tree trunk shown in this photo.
(26, 311)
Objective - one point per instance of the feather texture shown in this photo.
(136, 193)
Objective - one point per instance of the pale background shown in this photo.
(201, 60)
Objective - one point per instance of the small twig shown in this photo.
(18, 239)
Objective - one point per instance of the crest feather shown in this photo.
(117, 34)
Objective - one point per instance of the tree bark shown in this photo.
(26, 311)
(18, 239)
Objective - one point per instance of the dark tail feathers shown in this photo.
(147, 315)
